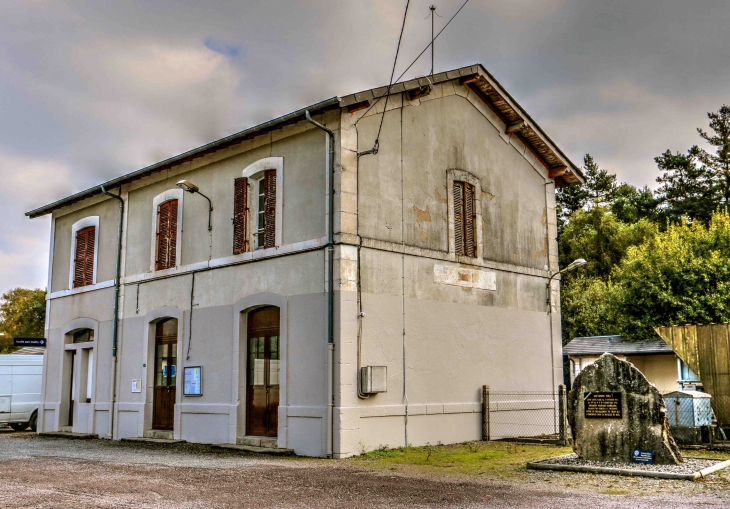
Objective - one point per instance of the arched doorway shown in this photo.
(163, 403)
(262, 378)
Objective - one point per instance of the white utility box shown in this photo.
(688, 408)
(373, 379)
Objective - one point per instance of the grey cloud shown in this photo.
(93, 89)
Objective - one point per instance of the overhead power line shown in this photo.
(392, 73)
(375, 147)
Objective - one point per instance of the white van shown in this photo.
(21, 378)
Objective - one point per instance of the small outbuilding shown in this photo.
(654, 358)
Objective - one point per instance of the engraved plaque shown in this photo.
(602, 405)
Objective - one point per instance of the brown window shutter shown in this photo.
(459, 217)
(269, 208)
(84, 258)
(240, 215)
(470, 243)
(166, 235)
(89, 256)
(173, 234)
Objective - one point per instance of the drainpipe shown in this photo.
(115, 330)
(330, 285)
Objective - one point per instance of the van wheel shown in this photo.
(33, 422)
(19, 426)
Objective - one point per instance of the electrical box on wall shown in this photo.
(373, 379)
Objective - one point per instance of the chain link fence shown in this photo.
(525, 415)
(541, 416)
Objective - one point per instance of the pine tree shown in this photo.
(719, 162)
(687, 187)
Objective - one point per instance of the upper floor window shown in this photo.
(84, 257)
(84, 252)
(265, 233)
(465, 218)
(257, 206)
(166, 228)
(167, 235)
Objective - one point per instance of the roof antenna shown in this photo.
(432, 8)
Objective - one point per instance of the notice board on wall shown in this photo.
(193, 381)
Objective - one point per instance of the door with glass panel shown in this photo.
(262, 394)
(163, 406)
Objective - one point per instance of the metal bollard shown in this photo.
(563, 407)
(485, 413)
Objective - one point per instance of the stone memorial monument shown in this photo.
(615, 414)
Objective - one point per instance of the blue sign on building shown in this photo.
(29, 342)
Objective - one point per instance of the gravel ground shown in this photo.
(62, 473)
(690, 465)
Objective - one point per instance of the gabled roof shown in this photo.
(598, 345)
(476, 77)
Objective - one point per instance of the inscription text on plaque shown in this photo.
(602, 405)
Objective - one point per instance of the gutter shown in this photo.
(115, 330)
(330, 281)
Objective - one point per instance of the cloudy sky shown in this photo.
(91, 90)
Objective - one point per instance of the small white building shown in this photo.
(655, 359)
(342, 277)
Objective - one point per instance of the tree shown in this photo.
(678, 276)
(719, 162)
(687, 187)
(602, 239)
(631, 204)
(22, 314)
(587, 309)
(599, 190)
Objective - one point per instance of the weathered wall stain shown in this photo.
(423, 216)
(437, 194)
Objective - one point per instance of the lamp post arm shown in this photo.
(210, 210)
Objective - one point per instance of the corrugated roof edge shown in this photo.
(317, 108)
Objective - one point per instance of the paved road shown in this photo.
(52, 472)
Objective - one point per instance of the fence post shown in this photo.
(485, 413)
(562, 411)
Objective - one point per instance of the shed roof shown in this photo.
(598, 345)
(476, 77)
(29, 350)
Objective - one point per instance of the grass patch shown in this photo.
(495, 459)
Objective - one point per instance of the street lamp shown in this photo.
(191, 188)
(573, 265)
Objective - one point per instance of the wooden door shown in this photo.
(163, 406)
(262, 394)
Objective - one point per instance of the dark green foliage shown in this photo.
(719, 162)
(599, 190)
(687, 187)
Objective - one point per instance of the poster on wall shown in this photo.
(193, 382)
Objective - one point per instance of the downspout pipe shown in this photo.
(115, 324)
(330, 281)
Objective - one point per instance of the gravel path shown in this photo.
(61, 473)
